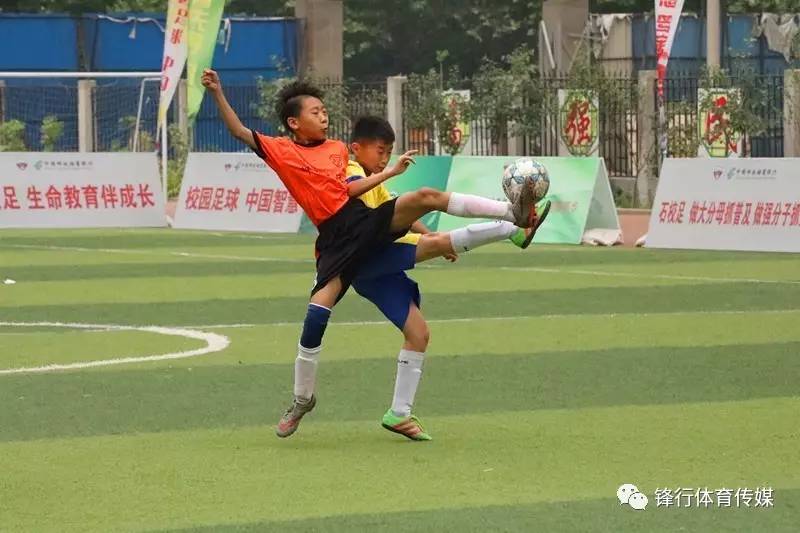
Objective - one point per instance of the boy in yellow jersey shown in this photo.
(382, 280)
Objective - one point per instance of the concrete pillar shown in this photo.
(648, 143)
(713, 39)
(791, 113)
(394, 109)
(322, 46)
(86, 115)
(183, 110)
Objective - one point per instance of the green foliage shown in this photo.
(431, 111)
(127, 128)
(52, 130)
(12, 136)
(404, 36)
(179, 146)
(622, 198)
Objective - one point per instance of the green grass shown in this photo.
(553, 376)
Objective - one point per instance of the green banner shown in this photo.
(572, 184)
(204, 18)
(429, 171)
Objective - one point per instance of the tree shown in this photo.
(403, 36)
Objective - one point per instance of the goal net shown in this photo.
(79, 111)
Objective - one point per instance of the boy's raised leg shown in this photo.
(411, 206)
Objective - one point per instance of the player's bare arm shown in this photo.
(359, 187)
(211, 82)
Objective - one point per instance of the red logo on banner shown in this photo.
(228, 166)
(22, 166)
(717, 174)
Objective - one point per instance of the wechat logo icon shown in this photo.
(628, 494)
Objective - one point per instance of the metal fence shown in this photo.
(496, 131)
(761, 96)
(618, 112)
(346, 102)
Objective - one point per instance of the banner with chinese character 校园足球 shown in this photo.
(80, 190)
(234, 192)
(727, 204)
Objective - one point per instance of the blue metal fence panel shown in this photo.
(38, 42)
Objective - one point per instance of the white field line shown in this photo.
(422, 265)
(514, 317)
(214, 343)
(649, 276)
(153, 252)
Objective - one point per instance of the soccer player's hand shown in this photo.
(451, 257)
(210, 80)
(403, 162)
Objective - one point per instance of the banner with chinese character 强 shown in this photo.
(727, 204)
(579, 190)
(80, 190)
(717, 136)
(578, 122)
(668, 15)
(234, 192)
(175, 52)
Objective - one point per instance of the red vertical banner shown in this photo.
(668, 14)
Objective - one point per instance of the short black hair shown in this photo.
(290, 100)
(372, 128)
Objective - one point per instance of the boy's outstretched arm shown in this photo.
(358, 187)
(210, 80)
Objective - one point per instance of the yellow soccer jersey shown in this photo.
(375, 197)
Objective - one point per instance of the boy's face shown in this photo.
(373, 155)
(312, 122)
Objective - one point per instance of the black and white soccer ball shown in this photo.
(522, 172)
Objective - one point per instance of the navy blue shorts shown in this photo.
(382, 280)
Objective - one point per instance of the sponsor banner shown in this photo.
(579, 190)
(75, 190)
(234, 192)
(727, 204)
(175, 52)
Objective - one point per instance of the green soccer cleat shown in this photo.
(293, 415)
(408, 426)
(523, 236)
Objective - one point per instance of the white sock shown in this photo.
(305, 371)
(409, 370)
(474, 235)
(471, 206)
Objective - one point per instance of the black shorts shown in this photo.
(348, 237)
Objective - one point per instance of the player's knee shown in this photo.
(429, 197)
(418, 338)
(314, 326)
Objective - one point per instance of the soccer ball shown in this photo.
(525, 171)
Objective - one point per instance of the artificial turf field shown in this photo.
(554, 375)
